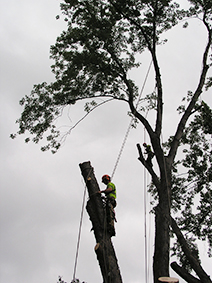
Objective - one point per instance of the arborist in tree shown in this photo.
(110, 193)
(150, 154)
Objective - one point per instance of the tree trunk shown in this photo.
(162, 242)
(162, 213)
(104, 248)
(162, 219)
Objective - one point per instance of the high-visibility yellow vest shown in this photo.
(113, 187)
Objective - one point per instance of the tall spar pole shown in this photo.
(104, 248)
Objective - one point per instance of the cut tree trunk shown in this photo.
(162, 229)
(162, 242)
(104, 248)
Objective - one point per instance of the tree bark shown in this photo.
(162, 222)
(104, 248)
(192, 259)
(184, 274)
(162, 242)
(162, 212)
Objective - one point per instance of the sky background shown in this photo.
(41, 193)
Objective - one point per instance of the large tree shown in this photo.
(92, 58)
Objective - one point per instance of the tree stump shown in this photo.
(168, 279)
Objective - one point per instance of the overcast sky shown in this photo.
(41, 193)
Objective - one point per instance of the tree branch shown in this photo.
(132, 21)
(80, 120)
(141, 158)
(96, 96)
(188, 111)
(184, 274)
(158, 125)
(186, 249)
(152, 49)
(133, 109)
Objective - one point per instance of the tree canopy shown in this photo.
(92, 58)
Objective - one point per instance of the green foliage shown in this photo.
(90, 105)
(192, 191)
(151, 100)
(208, 83)
(38, 116)
(198, 162)
(181, 108)
(93, 56)
(177, 251)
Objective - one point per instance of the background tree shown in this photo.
(93, 58)
(192, 186)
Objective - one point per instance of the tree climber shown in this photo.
(110, 193)
(150, 154)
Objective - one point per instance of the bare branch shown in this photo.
(80, 120)
(184, 274)
(188, 111)
(192, 259)
(148, 167)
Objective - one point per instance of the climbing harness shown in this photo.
(110, 215)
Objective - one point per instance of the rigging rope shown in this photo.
(145, 226)
(79, 234)
(117, 162)
(146, 238)
(80, 229)
(130, 124)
